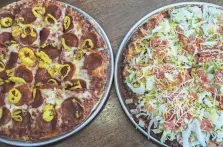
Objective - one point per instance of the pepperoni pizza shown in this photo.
(53, 69)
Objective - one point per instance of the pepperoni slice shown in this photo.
(5, 37)
(3, 49)
(3, 75)
(72, 110)
(42, 75)
(7, 86)
(2, 98)
(93, 37)
(45, 127)
(6, 116)
(6, 14)
(71, 39)
(23, 127)
(27, 14)
(71, 25)
(82, 82)
(51, 52)
(12, 60)
(44, 33)
(71, 72)
(38, 100)
(24, 73)
(54, 10)
(26, 95)
(96, 82)
(206, 125)
(28, 40)
(92, 61)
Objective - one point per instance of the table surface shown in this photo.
(111, 128)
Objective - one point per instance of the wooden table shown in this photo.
(112, 128)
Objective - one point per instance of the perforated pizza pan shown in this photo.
(119, 58)
(100, 103)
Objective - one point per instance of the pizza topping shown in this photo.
(48, 113)
(5, 37)
(27, 16)
(54, 11)
(12, 60)
(43, 36)
(49, 19)
(51, 52)
(28, 30)
(16, 31)
(24, 73)
(14, 96)
(87, 44)
(2, 66)
(77, 84)
(6, 116)
(6, 22)
(72, 108)
(66, 47)
(43, 59)
(69, 40)
(38, 11)
(1, 112)
(53, 82)
(91, 39)
(92, 61)
(17, 80)
(27, 56)
(42, 75)
(28, 35)
(26, 95)
(79, 54)
(16, 115)
(38, 99)
(54, 70)
(66, 22)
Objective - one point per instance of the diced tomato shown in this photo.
(202, 75)
(206, 125)
(150, 108)
(156, 42)
(219, 77)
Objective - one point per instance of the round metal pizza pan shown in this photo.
(119, 57)
(100, 104)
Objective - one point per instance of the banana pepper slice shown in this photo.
(50, 19)
(6, 22)
(2, 66)
(67, 71)
(14, 96)
(66, 47)
(27, 56)
(1, 112)
(87, 43)
(66, 22)
(44, 59)
(53, 70)
(28, 30)
(48, 113)
(17, 80)
(38, 11)
(16, 115)
(16, 31)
